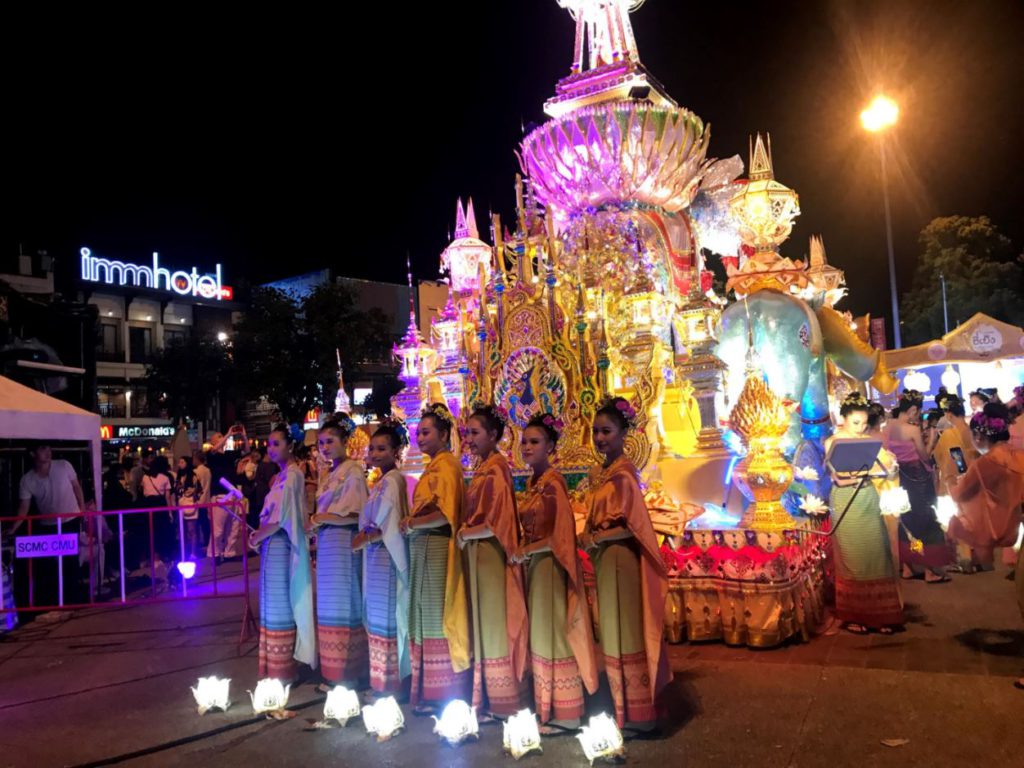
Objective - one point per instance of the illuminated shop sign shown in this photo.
(156, 278)
(109, 432)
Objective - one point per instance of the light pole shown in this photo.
(879, 115)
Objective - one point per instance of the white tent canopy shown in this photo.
(26, 414)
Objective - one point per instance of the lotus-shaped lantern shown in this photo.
(457, 723)
(383, 718)
(601, 738)
(271, 695)
(212, 693)
(342, 705)
(521, 734)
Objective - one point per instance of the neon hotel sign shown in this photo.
(157, 278)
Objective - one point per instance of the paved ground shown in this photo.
(114, 682)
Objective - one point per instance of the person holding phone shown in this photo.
(954, 444)
(989, 495)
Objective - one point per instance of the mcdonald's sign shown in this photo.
(106, 432)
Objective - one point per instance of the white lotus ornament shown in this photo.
(601, 738)
(457, 723)
(341, 705)
(383, 718)
(521, 734)
(271, 695)
(806, 473)
(814, 506)
(212, 693)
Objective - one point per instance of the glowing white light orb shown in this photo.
(187, 569)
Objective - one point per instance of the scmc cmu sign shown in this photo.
(95, 269)
(46, 546)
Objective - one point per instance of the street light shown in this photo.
(222, 337)
(880, 114)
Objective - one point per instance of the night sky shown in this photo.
(280, 143)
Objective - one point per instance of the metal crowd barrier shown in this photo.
(44, 544)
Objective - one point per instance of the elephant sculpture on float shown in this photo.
(791, 339)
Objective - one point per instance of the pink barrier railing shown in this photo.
(91, 525)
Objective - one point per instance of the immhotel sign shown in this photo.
(110, 272)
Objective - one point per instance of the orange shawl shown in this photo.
(548, 507)
(442, 484)
(617, 502)
(989, 496)
(490, 501)
(957, 436)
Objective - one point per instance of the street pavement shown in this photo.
(110, 685)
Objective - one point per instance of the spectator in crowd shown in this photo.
(205, 480)
(53, 486)
(188, 491)
(157, 491)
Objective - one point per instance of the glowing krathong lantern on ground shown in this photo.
(521, 734)
(342, 705)
(457, 723)
(383, 718)
(271, 695)
(601, 738)
(212, 693)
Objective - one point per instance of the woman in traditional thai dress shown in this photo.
(562, 651)
(990, 494)
(632, 582)
(438, 610)
(287, 630)
(904, 439)
(344, 657)
(386, 563)
(497, 595)
(867, 589)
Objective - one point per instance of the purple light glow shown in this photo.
(187, 569)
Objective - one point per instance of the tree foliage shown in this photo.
(981, 271)
(283, 349)
(273, 353)
(336, 322)
(184, 375)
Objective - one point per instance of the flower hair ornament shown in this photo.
(856, 399)
(398, 427)
(556, 425)
(912, 396)
(440, 412)
(623, 406)
(346, 423)
(988, 425)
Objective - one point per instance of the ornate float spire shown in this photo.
(606, 64)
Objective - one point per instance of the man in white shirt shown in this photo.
(53, 485)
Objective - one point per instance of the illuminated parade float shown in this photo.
(600, 286)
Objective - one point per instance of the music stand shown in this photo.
(854, 457)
